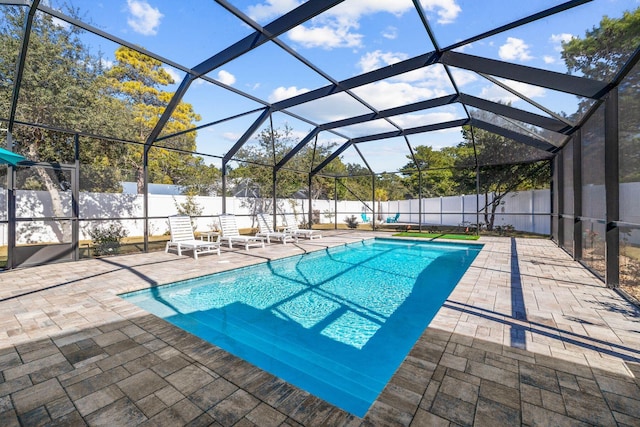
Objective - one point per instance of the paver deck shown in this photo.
(528, 337)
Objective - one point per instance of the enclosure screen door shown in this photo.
(46, 215)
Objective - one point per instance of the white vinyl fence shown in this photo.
(526, 211)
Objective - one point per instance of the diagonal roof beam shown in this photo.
(527, 99)
(622, 73)
(94, 30)
(515, 113)
(136, 48)
(360, 80)
(627, 67)
(364, 160)
(286, 22)
(206, 125)
(431, 103)
(425, 23)
(534, 76)
(411, 131)
(247, 134)
(420, 129)
(404, 109)
(281, 25)
(22, 56)
(329, 159)
(297, 148)
(515, 136)
(543, 14)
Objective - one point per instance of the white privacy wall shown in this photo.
(526, 211)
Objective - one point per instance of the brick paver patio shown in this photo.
(528, 337)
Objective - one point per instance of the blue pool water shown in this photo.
(335, 323)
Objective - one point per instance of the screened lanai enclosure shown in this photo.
(480, 117)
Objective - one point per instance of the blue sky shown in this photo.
(355, 37)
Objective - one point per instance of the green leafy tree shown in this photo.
(394, 185)
(200, 179)
(599, 55)
(604, 49)
(504, 166)
(61, 87)
(437, 176)
(138, 80)
(255, 176)
(358, 183)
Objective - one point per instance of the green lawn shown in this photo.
(437, 235)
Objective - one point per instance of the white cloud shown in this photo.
(433, 76)
(57, 21)
(285, 93)
(496, 93)
(270, 9)
(515, 49)
(336, 28)
(335, 107)
(464, 47)
(106, 63)
(558, 39)
(385, 94)
(60, 23)
(174, 75)
(390, 33)
(447, 10)
(463, 77)
(231, 136)
(144, 18)
(416, 120)
(423, 84)
(377, 59)
(226, 77)
(327, 36)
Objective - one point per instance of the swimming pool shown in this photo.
(336, 323)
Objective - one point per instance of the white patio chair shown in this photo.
(300, 232)
(266, 230)
(182, 238)
(231, 234)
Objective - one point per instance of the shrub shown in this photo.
(352, 221)
(107, 239)
(189, 207)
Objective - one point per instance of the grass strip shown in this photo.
(437, 235)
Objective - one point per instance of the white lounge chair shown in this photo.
(300, 232)
(266, 230)
(182, 238)
(231, 234)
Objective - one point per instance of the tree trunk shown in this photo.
(60, 229)
(489, 218)
(140, 180)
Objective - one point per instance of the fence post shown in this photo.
(335, 201)
(531, 208)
